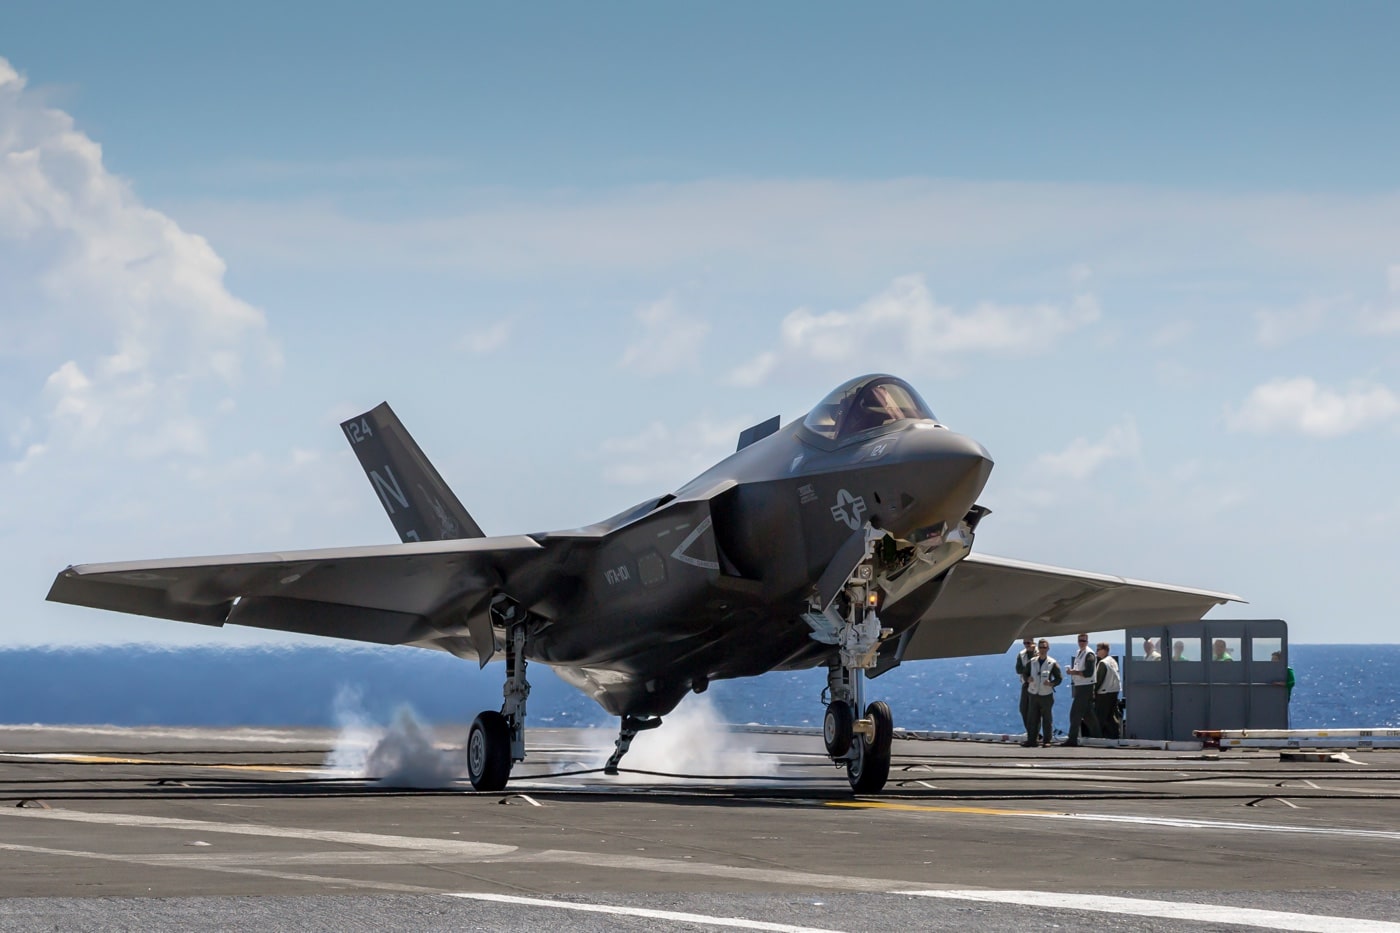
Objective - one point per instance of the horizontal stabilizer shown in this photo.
(758, 432)
(419, 503)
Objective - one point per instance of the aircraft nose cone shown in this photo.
(957, 454)
(960, 446)
(949, 471)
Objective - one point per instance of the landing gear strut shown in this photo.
(849, 620)
(497, 740)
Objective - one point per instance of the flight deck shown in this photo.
(207, 828)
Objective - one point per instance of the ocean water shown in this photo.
(1338, 686)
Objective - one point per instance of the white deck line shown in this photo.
(1171, 910)
(678, 916)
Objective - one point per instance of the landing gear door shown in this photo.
(891, 653)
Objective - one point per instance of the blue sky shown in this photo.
(1150, 257)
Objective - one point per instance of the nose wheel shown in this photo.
(868, 762)
(837, 728)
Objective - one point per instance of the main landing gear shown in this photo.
(849, 620)
(497, 740)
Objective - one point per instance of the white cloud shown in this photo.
(1301, 406)
(317, 171)
(756, 370)
(127, 312)
(489, 340)
(828, 231)
(903, 325)
(1380, 321)
(1385, 320)
(670, 340)
(1279, 326)
(1173, 333)
(1276, 326)
(661, 457)
(1083, 457)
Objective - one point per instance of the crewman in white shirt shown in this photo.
(1081, 710)
(1022, 659)
(1042, 677)
(1106, 686)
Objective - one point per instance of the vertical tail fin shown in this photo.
(419, 503)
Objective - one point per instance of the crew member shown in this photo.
(1023, 657)
(1043, 676)
(1288, 682)
(1081, 710)
(1107, 683)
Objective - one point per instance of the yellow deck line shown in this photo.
(929, 808)
(114, 760)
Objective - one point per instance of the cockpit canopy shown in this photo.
(865, 404)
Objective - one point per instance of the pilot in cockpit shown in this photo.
(874, 407)
(865, 404)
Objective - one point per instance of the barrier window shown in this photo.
(1186, 649)
(1225, 649)
(1147, 648)
(1264, 649)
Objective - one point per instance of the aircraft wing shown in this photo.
(424, 593)
(987, 603)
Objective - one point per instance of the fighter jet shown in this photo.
(843, 540)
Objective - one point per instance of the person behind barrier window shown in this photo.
(1149, 651)
(1043, 676)
(1023, 658)
(1081, 710)
(1107, 683)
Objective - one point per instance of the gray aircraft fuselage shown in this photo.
(712, 582)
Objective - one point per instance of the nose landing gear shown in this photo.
(848, 619)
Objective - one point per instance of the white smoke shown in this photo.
(406, 754)
(693, 740)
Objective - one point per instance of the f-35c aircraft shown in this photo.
(841, 540)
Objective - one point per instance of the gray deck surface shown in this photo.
(216, 829)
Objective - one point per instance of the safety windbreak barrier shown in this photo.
(1225, 674)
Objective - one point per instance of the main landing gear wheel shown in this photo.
(869, 767)
(836, 728)
(488, 751)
